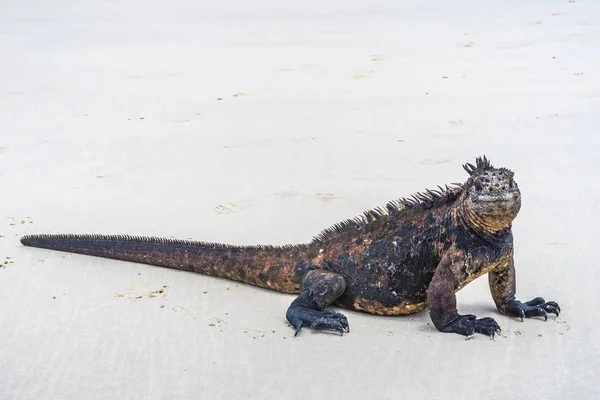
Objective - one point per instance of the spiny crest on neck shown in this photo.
(426, 200)
(481, 164)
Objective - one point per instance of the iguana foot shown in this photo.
(327, 319)
(537, 307)
(320, 289)
(468, 325)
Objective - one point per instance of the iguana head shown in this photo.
(492, 197)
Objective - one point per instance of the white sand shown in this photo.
(110, 123)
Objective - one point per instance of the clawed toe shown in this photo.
(328, 319)
(468, 325)
(336, 322)
(535, 302)
(552, 307)
(536, 311)
(537, 307)
(487, 326)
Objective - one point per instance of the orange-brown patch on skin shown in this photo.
(502, 283)
(462, 279)
(472, 276)
(375, 307)
(277, 271)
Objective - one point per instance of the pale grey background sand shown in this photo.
(110, 122)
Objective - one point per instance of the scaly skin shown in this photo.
(390, 261)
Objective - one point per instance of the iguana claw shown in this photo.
(537, 307)
(468, 325)
(327, 319)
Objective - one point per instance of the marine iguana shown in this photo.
(392, 260)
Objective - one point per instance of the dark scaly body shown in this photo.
(389, 268)
(388, 261)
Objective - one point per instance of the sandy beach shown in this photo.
(263, 123)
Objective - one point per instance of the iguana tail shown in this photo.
(272, 267)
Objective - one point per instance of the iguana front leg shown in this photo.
(442, 301)
(503, 287)
(319, 289)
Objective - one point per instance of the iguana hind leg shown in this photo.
(319, 289)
